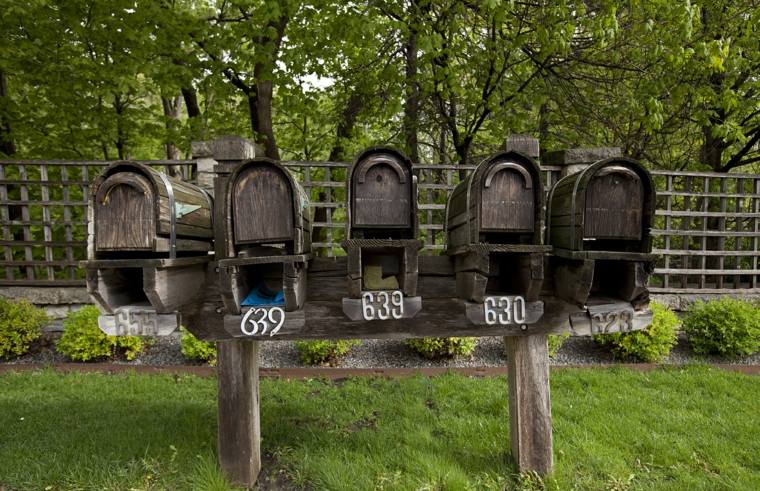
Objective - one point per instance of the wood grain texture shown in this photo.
(438, 317)
(501, 202)
(606, 207)
(507, 203)
(262, 206)
(132, 211)
(382, 196)
(530, 419)
(124, 214)
(614, 203)
(239, 435)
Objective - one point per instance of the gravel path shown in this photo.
(388, 353)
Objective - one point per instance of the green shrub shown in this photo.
(195, 349)
(435, 348)
(555, 342)
(727, 326)
(20, 325)
(82, 339)
(652, 344)
(321, 351)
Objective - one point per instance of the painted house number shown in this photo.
(607, 322)
(135, 322)
(504, 310)
(382, 305)
(262, 319)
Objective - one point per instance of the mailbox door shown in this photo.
(381, 193)
(614, 203)
(262, 206)
(125, 214)
(507, 199)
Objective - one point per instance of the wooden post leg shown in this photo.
(530, 415)
(239, 425)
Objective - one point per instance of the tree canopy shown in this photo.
(676, 84)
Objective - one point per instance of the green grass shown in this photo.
(694, 428)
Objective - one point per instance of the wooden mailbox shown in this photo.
(599, 222)
(148, 248)
(138, 209)
(267, 230)
(381, 230)
(494, 232)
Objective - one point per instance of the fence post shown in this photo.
(530, 413)
(239, 435)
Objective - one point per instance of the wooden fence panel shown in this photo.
(707, 225)
(706, 231)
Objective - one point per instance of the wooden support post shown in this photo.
(239, 423)
(530, 418)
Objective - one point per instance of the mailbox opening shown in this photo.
(506, 274)
(123, 286)
(260, 283)
(621, 280)
(382, 270)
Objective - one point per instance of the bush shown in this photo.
(195, 349)
(555, 342)
(652, 344)
(20, 325)
(82, 339)
(727, 326)
(323, 351)
(435, 348)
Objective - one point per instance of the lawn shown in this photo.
(693, 428)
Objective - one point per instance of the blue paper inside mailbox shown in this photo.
(262, 295)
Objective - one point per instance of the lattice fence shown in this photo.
(707, 226)
(43, 218)
(707, 229)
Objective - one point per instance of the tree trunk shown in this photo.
(198, 129)
(412, 88)
(712, 149)
(172, 108)
(260, 107)
(345, 128)
(7, 146)
(191, 102)
(121, 139)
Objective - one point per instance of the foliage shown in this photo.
(195, 349)
(670, 82)
(435, 348)
(652, 344)
(20, 324)
(82, 339)
(323, 351)
(727, 326)
(555, 342)
(142, 431)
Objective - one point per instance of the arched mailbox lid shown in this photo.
(500, 202)
(267, 206)
(382, 191)
(608, 206)
(134, 205)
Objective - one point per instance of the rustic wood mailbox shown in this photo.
(494, 230)
(599, 222)
(267, 231)
(149, 243)
(381, 237)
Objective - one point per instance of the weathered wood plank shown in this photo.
(530, 420)
(239, 435)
